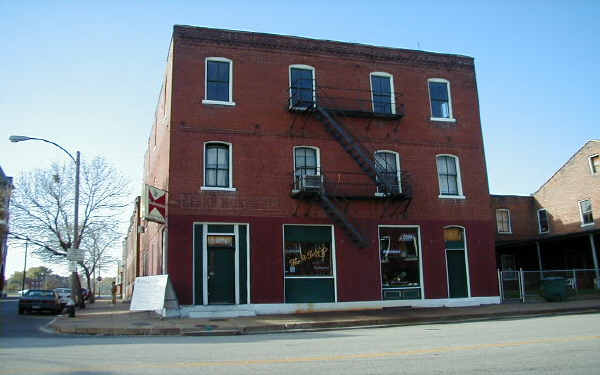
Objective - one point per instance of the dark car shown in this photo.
(40, 300)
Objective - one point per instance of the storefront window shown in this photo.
(400, 260)
(308, 251)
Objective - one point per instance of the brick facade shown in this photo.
(262, 133)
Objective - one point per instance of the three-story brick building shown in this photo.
(310, 174)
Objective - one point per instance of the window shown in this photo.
(585, 209)
(302, 86)
(449, 176)
(217, 166)
(503, 220)
(595, 164)
(400, 257)
(440, 100)
(382, 93)
(543, 221)
(306, 161)
(219, 77)
(387, 164)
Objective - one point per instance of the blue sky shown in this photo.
(88, 75)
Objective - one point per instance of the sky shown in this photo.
(87, 75)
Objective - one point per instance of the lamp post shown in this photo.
(24, 268)
(76, 160)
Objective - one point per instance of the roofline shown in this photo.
(567, 162)
(310, 45)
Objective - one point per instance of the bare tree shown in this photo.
(42, 212)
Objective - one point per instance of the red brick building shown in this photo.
(558, 226)
(310, 174)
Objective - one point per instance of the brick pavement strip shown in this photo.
(101, 318)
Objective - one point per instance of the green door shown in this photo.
(457, 274)
(221, 276)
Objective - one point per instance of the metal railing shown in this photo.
(349, 184)
(352, 102)
(527, 286)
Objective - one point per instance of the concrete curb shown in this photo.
(315, 326)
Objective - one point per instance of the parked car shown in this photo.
(64, 294)
(40, 300)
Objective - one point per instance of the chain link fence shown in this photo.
(536, 286)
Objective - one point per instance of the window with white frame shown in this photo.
(543, 224)
(306, 161)
(217, 166)
(449, 176)
(585, 210)
(382, 93)
(219, 81)
(302, 86)
(440, 99)
(387, 164)
(595, 164)
(503, 220)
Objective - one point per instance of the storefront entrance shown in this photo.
(456, 263)
(221, 276)
(221, 264)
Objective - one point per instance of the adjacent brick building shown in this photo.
(309, 174)
(558, 226)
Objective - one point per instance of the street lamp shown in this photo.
(76, 160)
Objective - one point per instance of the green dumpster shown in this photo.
(554, 289)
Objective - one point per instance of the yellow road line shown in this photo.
(342, 357)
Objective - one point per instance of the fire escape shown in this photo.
(331, 189)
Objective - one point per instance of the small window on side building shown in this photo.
(543, 221)
(440, 99)
(585, 210)
(595, 164)
(503, 220)
(218, 84)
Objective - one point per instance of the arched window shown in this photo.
(382, 93)
(440, 99)
(302, 86)
(448, 169)
(387, 164)
(218, 166)
(218, 81)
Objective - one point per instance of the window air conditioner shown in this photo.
(311, 183)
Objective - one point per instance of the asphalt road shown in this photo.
(549, 345)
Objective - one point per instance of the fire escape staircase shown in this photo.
(388, 187)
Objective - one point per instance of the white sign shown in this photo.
(153, 293)
(75, 255)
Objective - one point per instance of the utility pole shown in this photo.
(24, 267)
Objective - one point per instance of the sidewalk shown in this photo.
(102, 318)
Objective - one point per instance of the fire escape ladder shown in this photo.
(355, 149)
(338, 216)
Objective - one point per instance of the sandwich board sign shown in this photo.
(153, 293)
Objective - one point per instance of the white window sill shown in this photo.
(505, 233)
(588, 224)
(444, 119)
(218, 102)
(215, 188)
(452, 196)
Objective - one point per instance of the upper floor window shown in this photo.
(387, 164)
(302, 86)
(219, 78)
(543, 221)
(306, 161)
(503, 220)
(449, 176)
(440, 99)
(595, 164)
(217, 166)
(585, 210)
(382, 93)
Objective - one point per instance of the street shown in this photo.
(567, 344)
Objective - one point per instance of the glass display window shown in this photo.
(400, 257)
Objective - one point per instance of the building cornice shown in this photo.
(273, 42)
